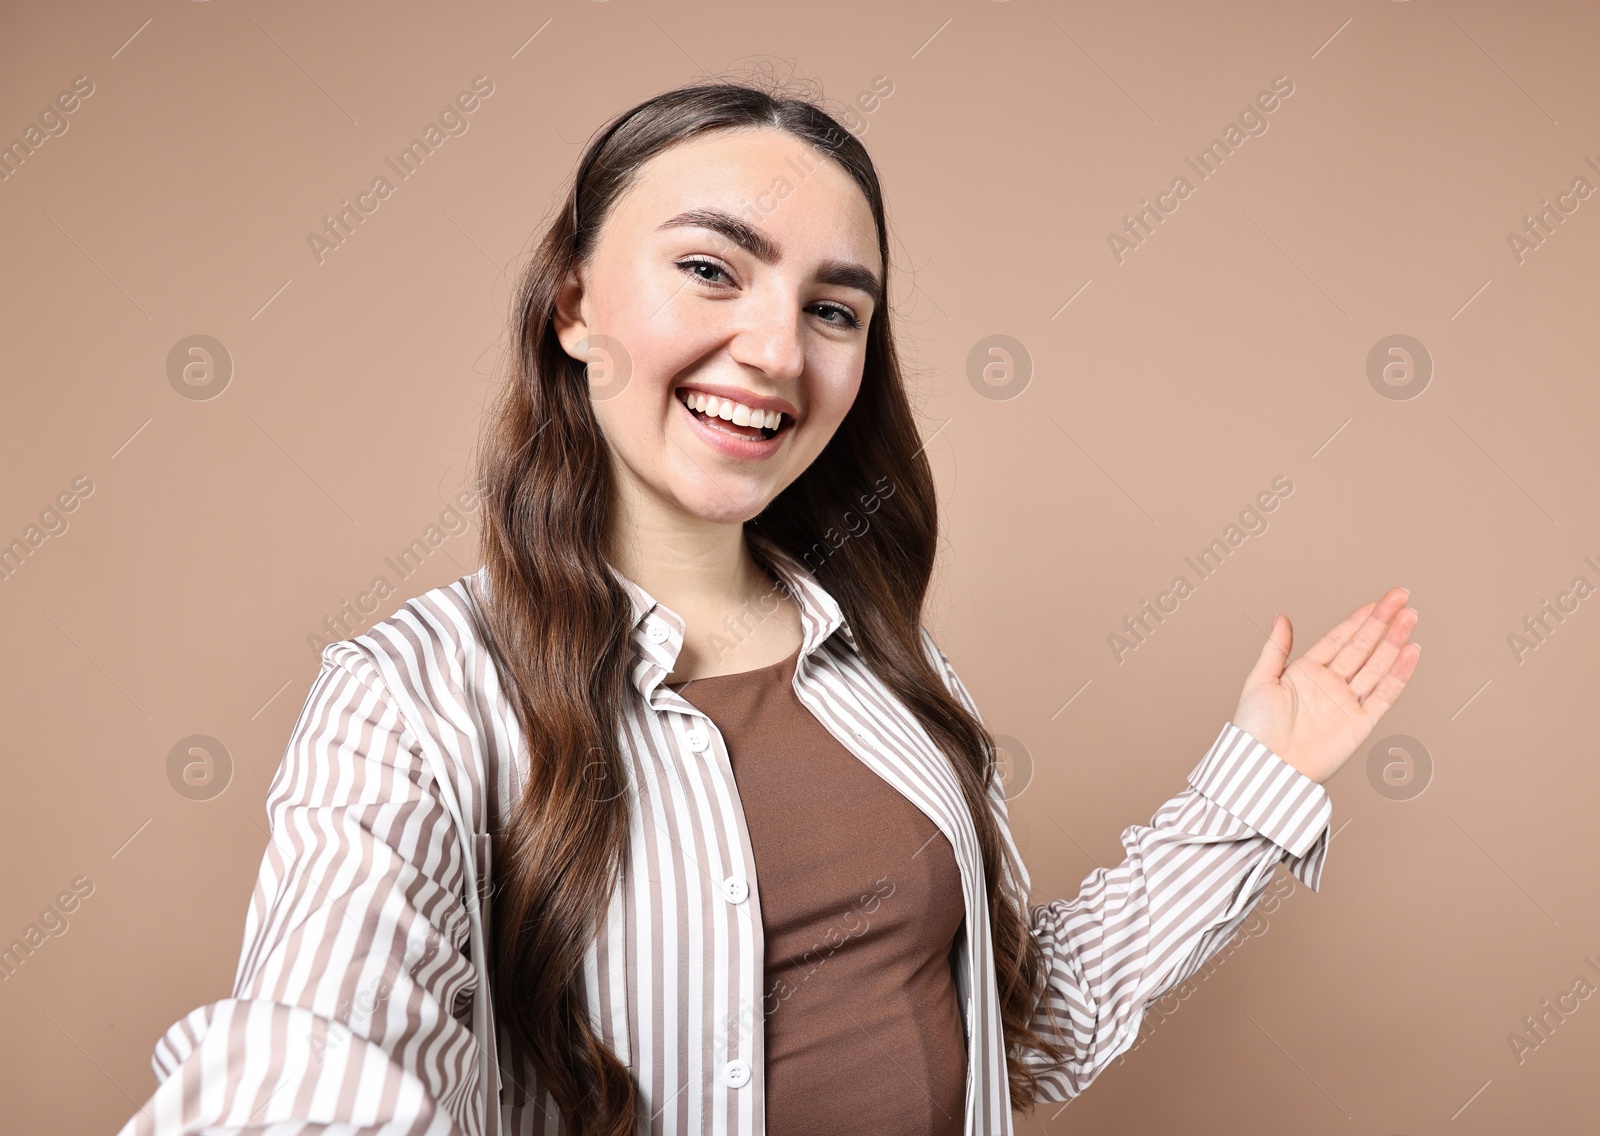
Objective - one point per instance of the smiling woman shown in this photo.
(630, 837)
(723, 319)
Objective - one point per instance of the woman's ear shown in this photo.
(571, 327)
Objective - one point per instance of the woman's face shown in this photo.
(742, 266)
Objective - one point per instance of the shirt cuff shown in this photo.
(1267, 793)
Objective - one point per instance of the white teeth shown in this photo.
(736, 412)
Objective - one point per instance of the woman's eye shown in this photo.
(689, 267)
(846, 318)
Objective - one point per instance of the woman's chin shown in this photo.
(724, 508)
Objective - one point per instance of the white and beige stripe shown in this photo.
(355, 993)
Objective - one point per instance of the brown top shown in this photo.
(860, 902)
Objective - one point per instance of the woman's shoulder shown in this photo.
(415, 701)
(432, 646)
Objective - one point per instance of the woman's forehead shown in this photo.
(771, 179)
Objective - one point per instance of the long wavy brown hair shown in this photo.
(559, 623)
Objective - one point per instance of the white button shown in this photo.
(657, 632)
(735, 889)
(698, 739)
(736, 1073)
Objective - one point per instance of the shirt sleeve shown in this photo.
(1188, 882)
(351, 1004)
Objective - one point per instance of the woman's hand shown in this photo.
(1315, 713)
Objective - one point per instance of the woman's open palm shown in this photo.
(1315, 712)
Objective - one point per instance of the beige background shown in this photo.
(1229, 350)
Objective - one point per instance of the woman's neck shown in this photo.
(736, 617)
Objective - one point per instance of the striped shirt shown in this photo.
(358, 987)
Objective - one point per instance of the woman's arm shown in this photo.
(1187, 883)
(352, 973)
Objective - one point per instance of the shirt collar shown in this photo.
(657, 631)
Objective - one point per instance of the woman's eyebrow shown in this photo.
(845, 273)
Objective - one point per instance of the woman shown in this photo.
(673, 817)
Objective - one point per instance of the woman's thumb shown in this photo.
(1274, 653)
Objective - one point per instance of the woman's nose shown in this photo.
(771, 337)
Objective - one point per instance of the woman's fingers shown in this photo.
(1323, 651)
(1377, 667)
(1353, 655)
(1377, 704)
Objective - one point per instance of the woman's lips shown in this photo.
(731, 444)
